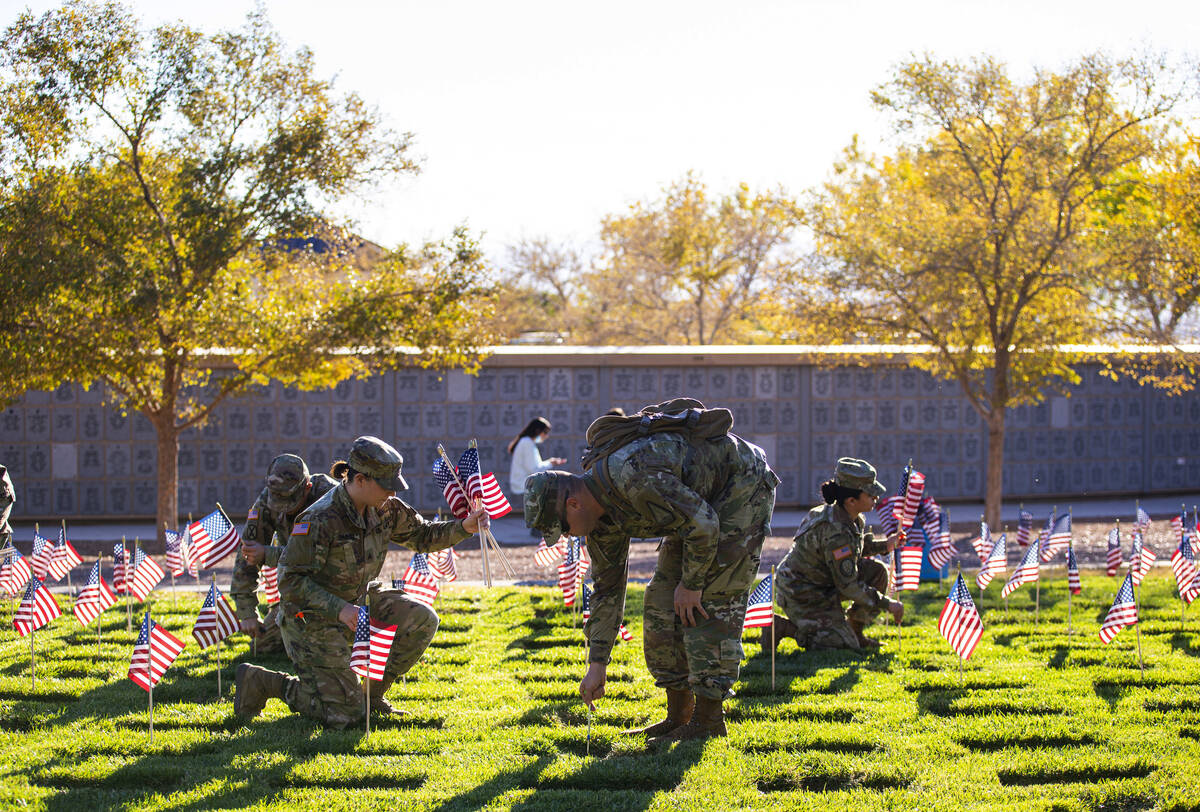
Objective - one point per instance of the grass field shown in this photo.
(1035, 720)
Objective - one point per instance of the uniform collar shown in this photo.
(341, 498)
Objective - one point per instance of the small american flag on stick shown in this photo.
(959, 622)
(372, 645)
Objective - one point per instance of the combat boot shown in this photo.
(707, 721)
(379, 704)
(865, 642)
(782, 628)
(679, 710)
(253, 686)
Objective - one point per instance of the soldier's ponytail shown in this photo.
(342, 470)
(833, 493)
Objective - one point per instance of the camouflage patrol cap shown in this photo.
(286, 481)
(378, 460)
(858, 474)
(545, 503)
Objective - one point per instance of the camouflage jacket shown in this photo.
(824, 557)
(7, 499)
(335, 551)
(266, 527)
(664, 485)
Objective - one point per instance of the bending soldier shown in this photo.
(289, 490)
(711, 500)
(827, 565)
(8, 498)
(337, 549)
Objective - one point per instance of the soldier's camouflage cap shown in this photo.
(858, 474)
(286, 481)
(378, 460)
(545, 503)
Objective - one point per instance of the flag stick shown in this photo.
(100, 575)
(32, 657)
(70, 586)
(214, 583)
(149, 674)
(125, 586)
(453, 470)
(588, 746)
(981, 560)
(1070, 550)
(174, 597)
(772, 628)
(504, 562)
(367, 679)
(189, 533)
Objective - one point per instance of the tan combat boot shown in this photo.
(679, 710)
(253, 686)
(379, 704)
(864, 641)
(783, 628)
(707, 721)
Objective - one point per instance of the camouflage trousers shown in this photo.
(325, 688)
(818, 615)
(705, 658)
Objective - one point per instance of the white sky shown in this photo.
(538, 118)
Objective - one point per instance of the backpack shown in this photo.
(681, 415)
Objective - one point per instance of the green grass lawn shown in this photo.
(1036, 720)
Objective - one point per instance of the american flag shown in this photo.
(119, 579)
(419, 582)
(1122, 613)
(177, 552)
(372, 645)
(268, 579)
(1177, 523)
(959, 622)
(146, 575)
(585, 607)
(37, 608)
(1073, 573)
(216, 620)
(941, 550)
(153, 652)
(1026, 572)
(1044, 534)
(571, 570)
(63, 557)
(1112, 562)
(887, 514)
(443, 564)
(909, 576)
(1183, 564)
(545, 556)
(213, 538)
(1059, 537)
(994, 564)
(14, 572)
(912, 488)
(1141, 558)
(455, 498)
(94, 597)
(1024, 528)
(482, 486)
(39, 559)
(983, 544)
(1141, 520)
(760, 611)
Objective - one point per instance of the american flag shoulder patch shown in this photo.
(253, 514)
(300, 529)
(842, 552)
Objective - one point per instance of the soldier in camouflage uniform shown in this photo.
(336, 550)
(290, 489)
(8, 498)
(711, 500)
(828, 564)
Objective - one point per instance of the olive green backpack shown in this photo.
(681, 415)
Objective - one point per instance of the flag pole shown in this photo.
(174, 597)
(189, 533)
(367, 679)
(772, 628)
(214, 584)
(504, 562)
(125, 585)
(70, 586)
(149, 673)
(982, 562)
(1070, 552)
(450, 467)
(32, 657)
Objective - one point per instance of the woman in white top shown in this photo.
(526, 459)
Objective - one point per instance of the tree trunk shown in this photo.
(994, 490)
(168, 458)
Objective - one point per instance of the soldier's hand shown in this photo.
(591, 687)
(474, 519)
(349, 616)
(687, 603)
(251, 626)
(896, 610)
(253, 552)
(893, 541)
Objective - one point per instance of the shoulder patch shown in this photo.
(842, 552)
(300, 529)
(253, 514)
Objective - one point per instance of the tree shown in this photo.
(687, 268)
(970, 237)
(540, 282)
(153, 187)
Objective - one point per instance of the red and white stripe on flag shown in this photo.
(372, 645)
(419, 583)
(1122, 613)
(760, 609)
(216, 620)
(39, 559)
(14, 573)
(1183, 565)
(626, 635)
(1026, 572)
(983, 544)
(63, 558)
(153, 652)
(268, 579)
(959, 622)
(94, 597)
(177, 553)
(1141, 559)
(443, 564)
(995, 563)
(912, 499)
(909, 576)
(147, 574)
(37, 608)
(213, 538)
(1073, 583)
(1112, 561)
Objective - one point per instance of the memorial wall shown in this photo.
(72, 456)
